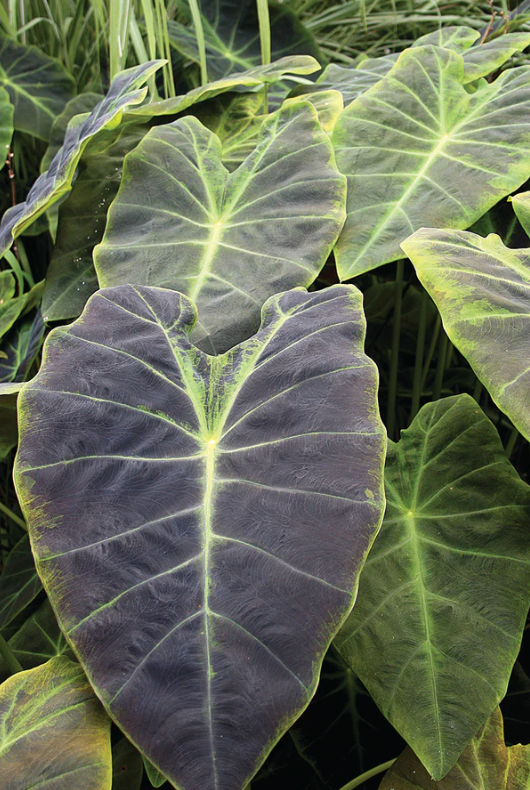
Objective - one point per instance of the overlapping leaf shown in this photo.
(444, 594)
(521, 206)
(19, 348)
(175, 503)
(250, 80)
(57, 180)
(486, 764)
(6, 124)
(19, 583)
(232, 38)
(38, 86)
(127, 766)
(419, 150)
(482, 290)
(228, 241)
(482, 60)
(53, 731)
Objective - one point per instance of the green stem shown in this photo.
(394, 359)
(359, 780)
(430, 352)
(265, 42)
(440, 366)
(16, 519)
(420, 350)
(511, 442)
(199, 35)
(9, 657)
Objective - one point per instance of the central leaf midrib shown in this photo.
(209, 480)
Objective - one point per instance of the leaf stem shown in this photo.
(199, 35)
(420, 350)
(358, 781)
(394, 359)
(9, 657)
(16, 519)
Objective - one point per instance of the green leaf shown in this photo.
(459, 38)
(6, 124)
(19, 583)
(37, 640)
(231, 33)
(38, 86)
(521, 206)
(11, 306)
(251, 80)
(57, 181)
(8, 418)
(156, 778)
(444, 594)
(482, 290)
(486, 764)
(127, 766)
(228, 241)
(479, 61)
(53, 731)
(71, 277)
(19, 348)
(75, 109)
(175, 503)
(419, 150)
(351, 82)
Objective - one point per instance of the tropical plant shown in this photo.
(202, 470)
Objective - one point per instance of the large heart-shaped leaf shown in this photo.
(251, 80)
(419, 150)
(200, 522)
(57, 180)
(53, 731)
(445, 591)
(71, 277)
(482, 290)
(38, 86)
(19, 583)
(232, 37)
(486, 764)
(228, 241)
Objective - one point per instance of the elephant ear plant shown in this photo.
(202, 469)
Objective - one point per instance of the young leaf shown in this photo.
(53, 731)
(55, 182)
(228, 241)
(231, 33)
(19, 583)
(486, 764)
(38, 86)
(176, 502)
(482, 290)
(444, 594)
(419, 150)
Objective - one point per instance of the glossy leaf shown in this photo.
(228, 241)
(53, 731)
(38, 86)
(37, 640)
(419, 150)
(19, 583)
(71, 277)
(57, 180)
(231, 33)
(251, 80)
(175, 503)
(487, 763)
(444, 594)
(75, 109)
(127, 766)
(482, 290)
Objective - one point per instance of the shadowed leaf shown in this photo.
(127, 766)
(19, 583)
